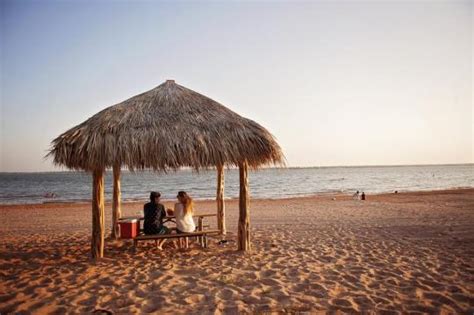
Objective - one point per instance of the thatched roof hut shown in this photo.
(165, 128)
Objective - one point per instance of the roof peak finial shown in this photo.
(170, 81)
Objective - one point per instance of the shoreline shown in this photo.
(320, 195)
(262, 168)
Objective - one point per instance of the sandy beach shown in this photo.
(391, 254)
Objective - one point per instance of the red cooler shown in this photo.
(128, 228)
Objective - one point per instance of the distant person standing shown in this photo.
(356, 195)
(363, 196)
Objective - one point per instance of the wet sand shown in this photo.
(394, 254)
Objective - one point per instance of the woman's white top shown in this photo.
(184, 223)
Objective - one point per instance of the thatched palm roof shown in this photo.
(167, 127)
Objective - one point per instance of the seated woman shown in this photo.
(154, 213)
(183, 212)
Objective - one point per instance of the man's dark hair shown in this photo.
(153, 195)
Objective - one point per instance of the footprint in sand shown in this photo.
(318, 291)
(440, 298)
(419, 308)
(87, 301)
(152, 306)
(364, 302)
(226, 294)
(342, 304)
(271, 282)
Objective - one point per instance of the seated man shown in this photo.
(154, 213)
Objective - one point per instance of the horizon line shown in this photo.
(264, 167)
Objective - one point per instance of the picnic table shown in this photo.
(200, 233)
(172, 218)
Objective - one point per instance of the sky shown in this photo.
(336, 82)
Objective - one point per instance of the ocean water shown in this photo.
(266, 183)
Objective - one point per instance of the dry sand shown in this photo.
(394, 254)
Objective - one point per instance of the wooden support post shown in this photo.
(220, 200)
(116, 211)
(244, 217)
(97, 244)
(200, 228)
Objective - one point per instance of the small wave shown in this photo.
(336, 179)
(19, 196)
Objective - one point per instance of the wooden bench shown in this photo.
(201, 235)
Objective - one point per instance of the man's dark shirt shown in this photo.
(154, 214)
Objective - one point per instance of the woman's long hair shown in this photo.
(187, 202)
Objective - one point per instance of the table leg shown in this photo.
(200, 224)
